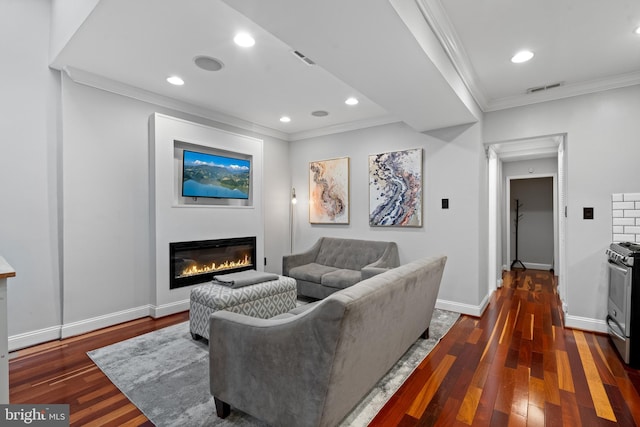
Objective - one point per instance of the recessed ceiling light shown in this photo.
(637, 31)
(522, 56)
(285, 119)
(208, 63)
(244, 40)
(175, 80)
(320, 113)
(351, 101)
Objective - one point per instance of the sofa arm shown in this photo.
(262, 366)
(368, 272)
(302, 258)
(388, 259)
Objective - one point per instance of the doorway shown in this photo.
(499, 154)
(531, 221)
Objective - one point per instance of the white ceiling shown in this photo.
(403, 59)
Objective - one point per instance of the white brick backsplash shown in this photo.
(624, 205)
(626, 221)
(624, 237)
(625, 213)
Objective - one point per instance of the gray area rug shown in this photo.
(165, 374)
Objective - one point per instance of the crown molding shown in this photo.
(99, 82)
(438, 20)
(566, 91)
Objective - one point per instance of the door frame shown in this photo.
(554, 145)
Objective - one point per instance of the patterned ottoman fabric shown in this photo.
(263, 300)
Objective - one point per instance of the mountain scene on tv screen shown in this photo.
(223, 179)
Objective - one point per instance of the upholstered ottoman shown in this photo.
(263, 300)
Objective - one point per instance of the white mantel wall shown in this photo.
(172, 222)
(107, 208)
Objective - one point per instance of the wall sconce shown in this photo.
(293, 196)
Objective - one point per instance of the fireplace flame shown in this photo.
(194, 270)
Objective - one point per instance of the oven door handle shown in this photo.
(617, 267)
(614, 328)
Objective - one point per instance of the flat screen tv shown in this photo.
(219, 177)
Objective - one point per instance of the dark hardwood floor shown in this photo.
(518, 366)
(61, 372)
(515, 365)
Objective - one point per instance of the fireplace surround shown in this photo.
(198, 261)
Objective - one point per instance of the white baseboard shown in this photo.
(167, 309)
(99, 322)
(585, 323)
(52, 333)
(27, 339)
(536, 266)
(458, 307)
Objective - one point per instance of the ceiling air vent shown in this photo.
(543, 88)
(302, 57)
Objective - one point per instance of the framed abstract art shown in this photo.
(329, 191)
(395, 188)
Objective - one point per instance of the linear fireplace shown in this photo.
(198, 261)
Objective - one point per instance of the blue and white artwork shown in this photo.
(395, 188)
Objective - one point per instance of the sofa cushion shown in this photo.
(341, 279)
(311, 272)
(349, 253)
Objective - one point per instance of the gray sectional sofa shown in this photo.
(332, 264)
(312, 365)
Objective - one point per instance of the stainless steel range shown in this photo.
(623, 317)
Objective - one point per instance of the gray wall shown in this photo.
(29, 168)
(602, 158)
(454, 168)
